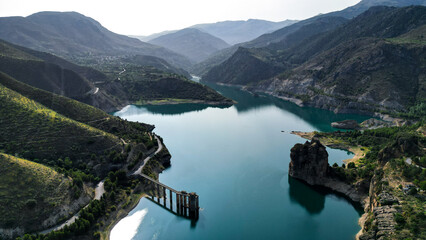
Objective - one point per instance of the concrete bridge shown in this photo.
(179, 202)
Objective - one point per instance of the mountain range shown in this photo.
(77, 37)
(360, 65)
(281, 34)
(234, 32)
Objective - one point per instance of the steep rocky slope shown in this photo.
(282, 34)
(363, 66)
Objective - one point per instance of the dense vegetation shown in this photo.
(33, 131)
(395, 162)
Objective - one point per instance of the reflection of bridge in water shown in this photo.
(182, 203)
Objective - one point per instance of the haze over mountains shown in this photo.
(72, 35)
(192, 43)
(281, 35)
(361, 63)
(232, 32)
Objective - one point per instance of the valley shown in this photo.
(219, 109)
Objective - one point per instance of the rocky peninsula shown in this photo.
(389, 201)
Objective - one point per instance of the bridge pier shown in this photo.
(193, 206)
(158, 193)
(171, 200)
(164, 197)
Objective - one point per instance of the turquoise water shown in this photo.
(236, 159)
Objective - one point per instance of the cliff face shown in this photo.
(309, 162)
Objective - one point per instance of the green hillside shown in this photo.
(31, 192)
(130, 131)
(35, 132)
(76, 140)
(104, 87)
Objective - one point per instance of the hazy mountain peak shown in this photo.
(193, 43)
(71, 34)
(234, 32)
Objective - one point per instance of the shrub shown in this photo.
(31, 203)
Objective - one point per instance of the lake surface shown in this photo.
(236, 159)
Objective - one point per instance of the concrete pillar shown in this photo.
(182, 205)
(185, 203)
(164, 196)
(193, 206)
(178, 203)
(171, 200)
(158, 193)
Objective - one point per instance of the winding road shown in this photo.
(100, 190)
(160, 147)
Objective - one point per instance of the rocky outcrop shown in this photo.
(309, 163)
(373, 123)
(386, 198)
(345, 124)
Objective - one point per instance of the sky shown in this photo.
(145, 17)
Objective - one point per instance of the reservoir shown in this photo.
(236, 159)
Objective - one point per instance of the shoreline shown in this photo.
(135, 198)
(159, 102)
(345, 189)
(357, 151)
(121, 214)
(388, 117)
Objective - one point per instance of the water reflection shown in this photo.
(302, 194)
(246, 102)
(312, 199)
(177, 109)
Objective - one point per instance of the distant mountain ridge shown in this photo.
(70, 34)
(192, 43)
(281, 34)
(234, 32)
(370, 63)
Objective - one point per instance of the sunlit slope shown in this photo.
(37, 132)
(78, 111)
(30, 192)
